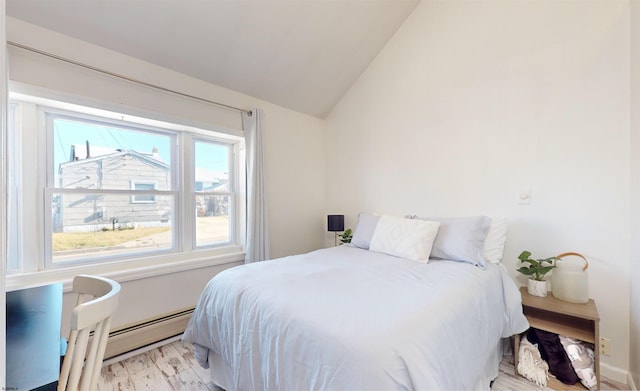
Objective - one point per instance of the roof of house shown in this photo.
(151, 159)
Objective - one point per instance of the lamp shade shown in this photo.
(335, 223)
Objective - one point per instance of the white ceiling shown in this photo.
(301, 54)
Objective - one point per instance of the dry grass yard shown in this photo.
(210, 230)
(64, 241)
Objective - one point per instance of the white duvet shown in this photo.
(349, 319)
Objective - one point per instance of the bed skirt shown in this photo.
(222, 376)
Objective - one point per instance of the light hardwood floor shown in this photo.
(173, 367)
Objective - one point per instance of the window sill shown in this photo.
(126, 270)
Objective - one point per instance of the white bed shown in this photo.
(345, 318)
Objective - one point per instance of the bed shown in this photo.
(353, 319)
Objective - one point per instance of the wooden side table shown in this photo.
(579, 321)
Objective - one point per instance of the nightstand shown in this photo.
(579, 321)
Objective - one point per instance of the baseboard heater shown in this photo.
(146, 333)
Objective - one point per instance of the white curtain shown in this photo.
(257, 239)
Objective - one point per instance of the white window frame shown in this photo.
(14, 179)
(47, 115)
(36, 266)
(154, 186)
(232, 193)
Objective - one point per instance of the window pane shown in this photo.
(88, 225)
(144, 186)
(212, 220)
(211, 167)
(139, 198)
(212, 176)
(88, 155)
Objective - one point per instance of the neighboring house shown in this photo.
(106, 169)
(207, 181)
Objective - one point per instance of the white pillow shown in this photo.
(405, 238)
(495, 240)
(364, 230)
(461, 239)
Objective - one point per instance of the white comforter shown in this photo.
(350, 319)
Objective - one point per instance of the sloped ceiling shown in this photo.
(301, 54)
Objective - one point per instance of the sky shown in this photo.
(66, 133)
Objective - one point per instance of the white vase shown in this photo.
(537, 288)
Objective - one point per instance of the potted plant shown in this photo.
(346, 236)
(536, 270)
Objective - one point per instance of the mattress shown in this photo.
(348, 318)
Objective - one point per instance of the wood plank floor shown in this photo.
(168, 367)
(173, 367)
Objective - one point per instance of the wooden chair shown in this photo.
(83, 360)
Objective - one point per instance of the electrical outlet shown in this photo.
(605, 346)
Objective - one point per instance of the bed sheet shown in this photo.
(347, 318)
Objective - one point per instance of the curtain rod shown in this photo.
(67, 60)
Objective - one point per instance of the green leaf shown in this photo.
(537, 267)
(526, 271)
(524, 255)
(545, 269)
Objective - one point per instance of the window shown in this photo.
(101, 187)
(143, 198)
(113, 185)
(14, 201)
(213, 193)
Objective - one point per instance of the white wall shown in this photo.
(473, 100)
(469, 102)
(634, 313)
(294, 148)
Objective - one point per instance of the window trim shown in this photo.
(15, 242)
(154, 185)
(129, 270)
(233, 187)
(182, 253)
(46, 116)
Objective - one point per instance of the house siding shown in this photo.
(83, 212)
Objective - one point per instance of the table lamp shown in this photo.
(335, 224)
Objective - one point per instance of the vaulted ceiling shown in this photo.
(301, 54)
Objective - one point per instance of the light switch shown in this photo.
(524, 196)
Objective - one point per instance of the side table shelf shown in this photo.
(579, 321)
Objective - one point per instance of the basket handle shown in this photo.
(586, 263)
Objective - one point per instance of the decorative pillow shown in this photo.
(405, 238)
(461, 239)
(495, 240)
(582, 360)
(364, 230)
